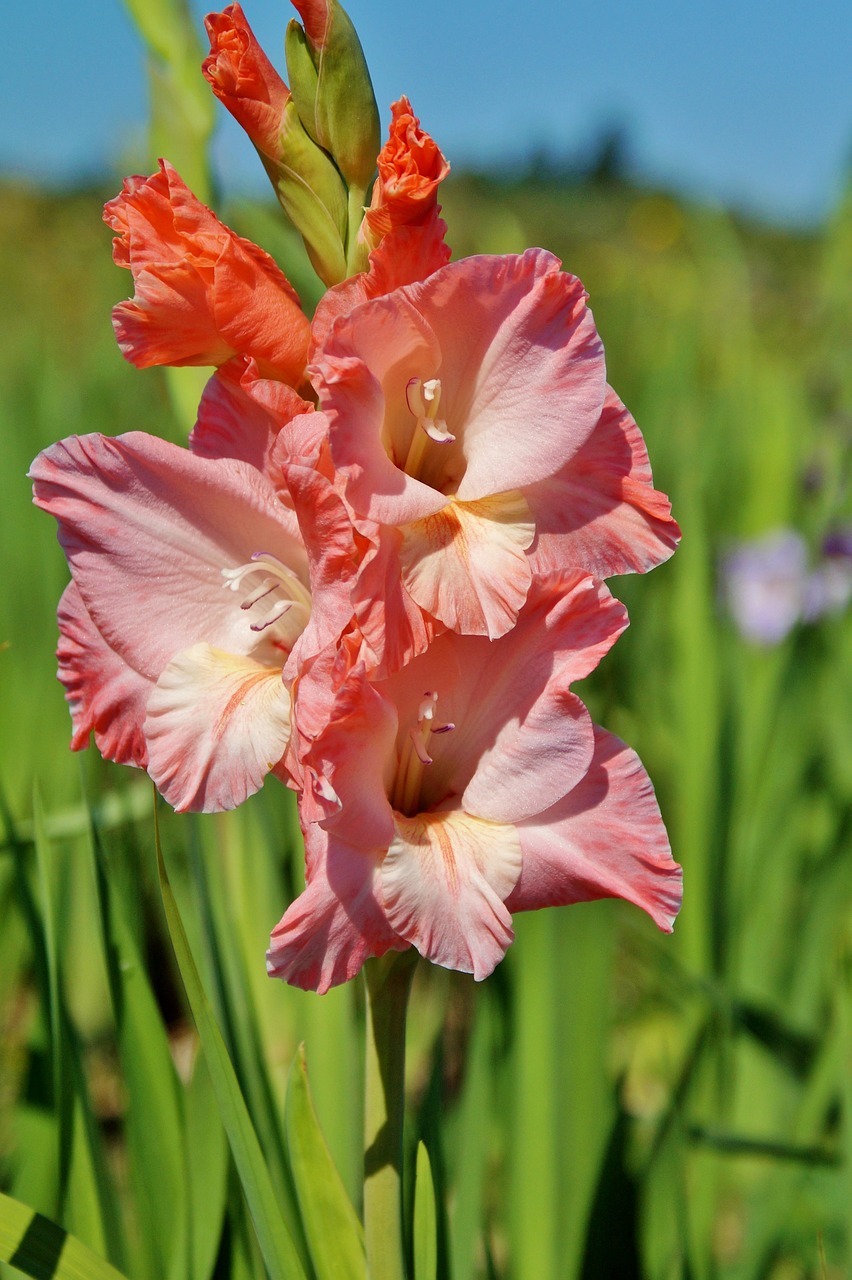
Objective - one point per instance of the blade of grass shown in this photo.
(334, 1234)
(39, 1248)
(277, 1247)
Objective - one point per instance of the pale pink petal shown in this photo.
(521, 739)
(444, 880)
(105, 696)
(337, 923)
(522, 367)
(606, 839)
(601, 511)
(405, 255)
(394, 627)
(361, 377)
(216, 725)
(148, 529)
(345, 732)
(466, 564)
(241, 415)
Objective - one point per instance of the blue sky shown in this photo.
(748, 103)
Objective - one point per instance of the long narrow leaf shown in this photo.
(278, 1249)
(39, 1248)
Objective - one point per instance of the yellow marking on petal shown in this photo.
(467, 564)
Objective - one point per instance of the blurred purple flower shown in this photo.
(767, 586)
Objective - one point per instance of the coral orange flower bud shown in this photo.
(244, 80)
(332, 88)
(411, 167)
(306, 181)
(203, 294)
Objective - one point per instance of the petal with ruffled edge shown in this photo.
(601, 511)
(148, 529)
(105, 696)
(337, 923)
(444, 879)
(216, 725)
(202, 293)
(606, 839)
(521, 739)
(466, 563)
(242, 414)
(522, 378)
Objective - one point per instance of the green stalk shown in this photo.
(388, 985)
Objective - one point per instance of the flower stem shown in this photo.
(388, 985)
(356, 253)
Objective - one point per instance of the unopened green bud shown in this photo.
(313, 196)
(332, 89)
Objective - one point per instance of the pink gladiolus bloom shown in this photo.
(470, 414)
(190, 598)
(470, 784)
(203, 294)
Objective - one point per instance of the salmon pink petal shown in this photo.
(601, 510)
(148, 530)
(351, 760)
(241, 415)
(521, 738)
(444, 879)
(514, 368)
(105, 695)
(216, 725)
(336, 924)
(405, 255)
(466, 564)
(202, 293)
(395, 629)
(606, 839)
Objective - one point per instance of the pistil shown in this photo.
(414, 757)
(424, 401)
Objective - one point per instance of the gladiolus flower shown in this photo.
(190, 594)
(470, 414)
(203, 294)
(472, 783)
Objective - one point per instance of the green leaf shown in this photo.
(207, 1157)
(279, 1252)
(154, 1120)
(425, 1219)
(41, 1249)
(334, 1234)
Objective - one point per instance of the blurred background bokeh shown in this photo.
(612, 1103)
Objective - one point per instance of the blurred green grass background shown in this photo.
(612, 1103)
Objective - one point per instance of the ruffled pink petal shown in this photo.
(337, 923)
(601, 511)
(361, 377)
(606, 839)
(394, 627)
(148, 529)
(241, 415)
(346, 731)
(444, 881)
(521, 739)
(216, 725)
(105, 696)
(522, 365)
(466, 564)
(405, 255)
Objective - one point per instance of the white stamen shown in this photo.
(277, 581)
(423, 400)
